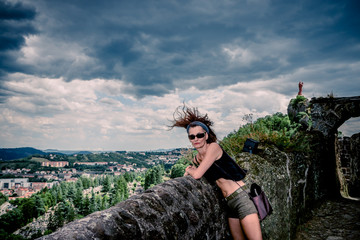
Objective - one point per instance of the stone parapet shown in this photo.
(181, 208)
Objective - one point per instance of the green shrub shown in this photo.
(299, 99)
(276, 129)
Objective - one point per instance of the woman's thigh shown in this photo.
(235, 229)
(241, 205)
(251, 226)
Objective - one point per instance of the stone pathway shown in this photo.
(334, 220)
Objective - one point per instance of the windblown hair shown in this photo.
(184, 115)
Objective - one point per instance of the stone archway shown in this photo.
(328, 114)
(325, 116)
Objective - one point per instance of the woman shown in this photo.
(215, 165)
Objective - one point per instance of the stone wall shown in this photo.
(181, 208)
(348, 163)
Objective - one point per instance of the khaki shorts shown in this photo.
(240, 206)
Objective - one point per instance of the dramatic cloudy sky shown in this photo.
(107, 75)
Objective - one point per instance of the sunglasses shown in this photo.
(199, 135)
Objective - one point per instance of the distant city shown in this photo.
(36, 169)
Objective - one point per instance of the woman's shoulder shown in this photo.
(215, 149)
(215, 145)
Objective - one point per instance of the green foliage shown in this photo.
(3, 198)
(154, 176)
(20, 164)
(105, 202)
(39, 206)
(85, 206)
(28, 209)
(178, 169)
(129, 177)
(67, 200)
(11, 221)
(276, 129)
(85, 182)
(106, 184)
(299, 99)
(120, 191)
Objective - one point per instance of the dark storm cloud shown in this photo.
(15, 11)
(15, 24)
(153, 46)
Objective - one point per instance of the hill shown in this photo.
(7, 154)
(67, 152)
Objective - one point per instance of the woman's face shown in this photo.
(197, 136)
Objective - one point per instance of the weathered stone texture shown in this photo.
(181, 208)
(328, 114)
(334, 219)
(348, 161)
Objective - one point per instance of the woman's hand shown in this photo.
(188, 169)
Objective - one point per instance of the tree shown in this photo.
(59, 214)
(120, 186)
(59, 194)
(3, 198)
(70, 211)
(115, 198)
(78, 198)
(106, 185)
(52, 224)
(105, 202)
(85, 182)
(85, 206)
(12, 220)
(177, 170)
(98, 202)
(39, 206)
(71, 193)
(93, 205)
(28, 209)
(64, 212)
(129, 177)
(79, 184)
(149, 178)
(154, 176)
(64, 188)
(48, 200)
(123, 188)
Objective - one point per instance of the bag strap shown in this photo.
(227, 174)
(231, 176)
(197, 162)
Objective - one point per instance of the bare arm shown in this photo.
(213, 153)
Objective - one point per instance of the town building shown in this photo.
(12, 183)
(55, 164)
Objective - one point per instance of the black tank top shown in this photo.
(229, 169)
